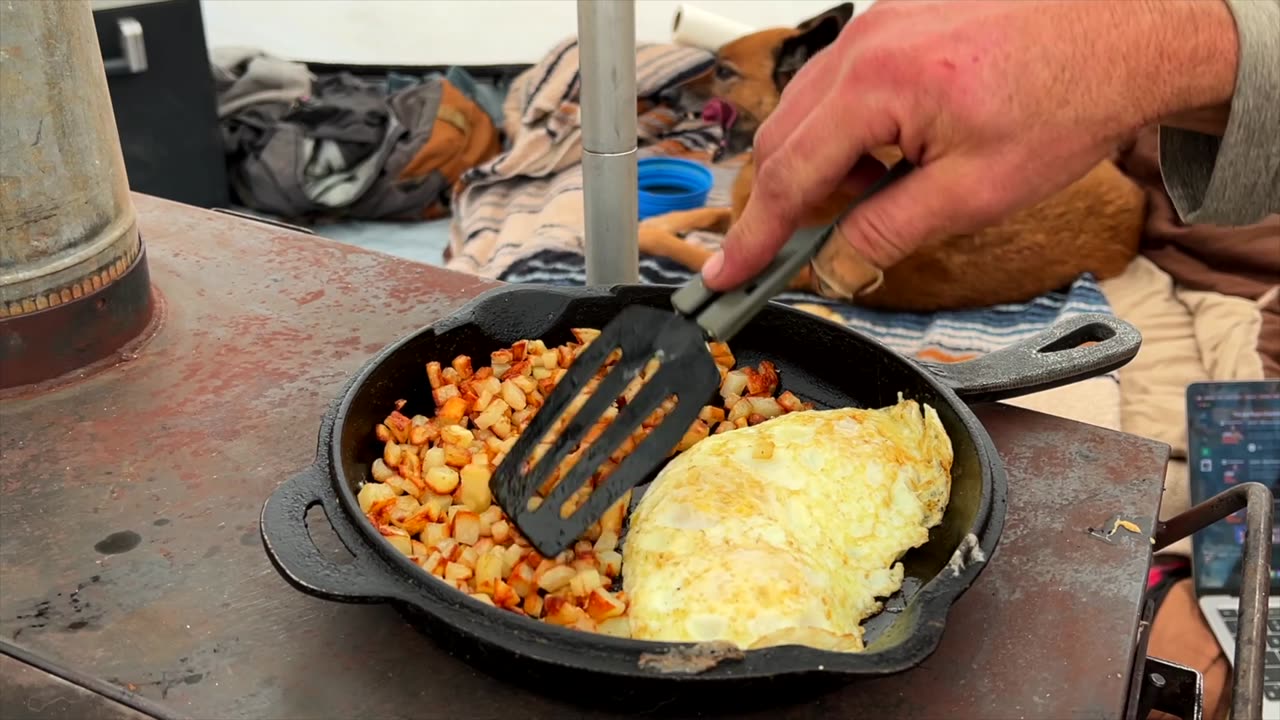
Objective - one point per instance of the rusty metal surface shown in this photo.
(33, 687)
(129, 502)
(45, 345)
(29, 693)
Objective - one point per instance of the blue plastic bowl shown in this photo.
(670, 184)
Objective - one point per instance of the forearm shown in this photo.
(1221, 162)
(1186, 74)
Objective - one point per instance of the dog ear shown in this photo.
(815, 34)
(842, 12)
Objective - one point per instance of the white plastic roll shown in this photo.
(700, 28)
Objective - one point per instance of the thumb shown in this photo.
(946, 197)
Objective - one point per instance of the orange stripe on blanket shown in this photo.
(936, 355)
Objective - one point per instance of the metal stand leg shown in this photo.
(1258, 502)
(607, 61)
(1171, 688)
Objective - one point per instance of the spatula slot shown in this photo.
(610, 421)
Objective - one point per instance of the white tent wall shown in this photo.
(449, 32)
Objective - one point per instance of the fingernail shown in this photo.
(713, 266)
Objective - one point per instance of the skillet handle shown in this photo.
(283, 523)
(1050, 359)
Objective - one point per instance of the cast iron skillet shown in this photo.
(819, 361)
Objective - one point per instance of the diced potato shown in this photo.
(766, 406)
(790, 402)
(711, 415)
(586, 580)
(401, 485)
(452, 411)
(763, 380)
(521, 579)
(445, 393)
(423, 434)
(560, 611)
(510, 556)
(456, 435)
(466, 527)
(495, 411)
(449, 548)
(608, 541)
(740, 410)
(391, 454)
(697, 432)
(533, 605)
(721, 354)
(488, 571)
(439, 505)
(435, 563)
(469, 557)
(433, 533)
(483, 597)
(433, 458)
(556, 578)
(433, 375)
(401, 543)
(456, 457)
(616, 514)
(417, 522)
(602, 605)
(380, 471)
(457, 571)
(505, 597)
(475, 488)
(610, 563)
(442, 480)
(462, 366)
(372, 493)
(398, 424)
(616, 627)
(735, 383)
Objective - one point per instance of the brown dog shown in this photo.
(1092, 226)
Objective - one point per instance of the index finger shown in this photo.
(807, 166)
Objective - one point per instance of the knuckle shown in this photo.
(768, 138)
(776, 185)
(874, 233)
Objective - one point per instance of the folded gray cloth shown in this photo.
(246, 76)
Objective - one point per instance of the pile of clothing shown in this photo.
(307, 148)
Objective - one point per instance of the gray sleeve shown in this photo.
(1235, 179)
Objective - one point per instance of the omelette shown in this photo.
(786, 532)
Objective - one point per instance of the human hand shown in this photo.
(1000, 105)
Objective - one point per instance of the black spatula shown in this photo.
(676, 342)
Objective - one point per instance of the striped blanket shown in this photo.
(519, 217)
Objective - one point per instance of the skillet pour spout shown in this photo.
(813, 358)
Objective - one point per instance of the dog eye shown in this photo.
(724, 72)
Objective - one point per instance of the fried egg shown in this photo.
(787, 532)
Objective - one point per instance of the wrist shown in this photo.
(1192, 72)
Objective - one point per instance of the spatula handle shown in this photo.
(722, 315)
